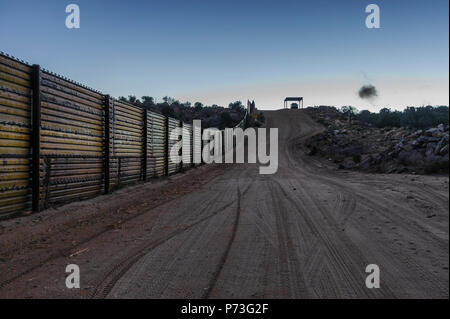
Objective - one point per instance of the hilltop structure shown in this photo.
(293, 99)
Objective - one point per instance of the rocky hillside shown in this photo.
(384, 150)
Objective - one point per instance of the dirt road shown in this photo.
(308, 231)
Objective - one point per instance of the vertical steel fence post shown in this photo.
(36, 138)
(107, 141)
(144, 149)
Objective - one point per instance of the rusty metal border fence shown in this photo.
(16, 134)
(61, 141)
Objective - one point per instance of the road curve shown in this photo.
(307, 231)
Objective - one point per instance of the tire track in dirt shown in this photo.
(337, 247)
(411, 227)
(294, 283)
(359, 196)
(384, 206)
(218, 271)
(68, 251)
(107, 282)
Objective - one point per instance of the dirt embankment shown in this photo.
(351, 145)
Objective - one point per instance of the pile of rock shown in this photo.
(425, 150)
(386, 150)
(327, 115)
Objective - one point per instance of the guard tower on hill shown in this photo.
(298, 99)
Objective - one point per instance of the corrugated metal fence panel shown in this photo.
(71, 141)
(15, 130)
(187, 145)
(173, 124)
(156, 142)
(127, 127)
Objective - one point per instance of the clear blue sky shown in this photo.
(221, 51)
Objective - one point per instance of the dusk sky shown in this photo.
(221, 51)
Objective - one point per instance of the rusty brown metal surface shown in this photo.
(127, 126)
(71, 141)
(156, 140)
(15, 131)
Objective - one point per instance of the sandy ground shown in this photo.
(224, 231)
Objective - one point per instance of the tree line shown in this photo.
(211, 116)
(412, 116)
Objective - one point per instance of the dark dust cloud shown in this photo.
(368, 92)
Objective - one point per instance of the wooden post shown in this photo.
(36, 136)
(144, 149)
(106, 141)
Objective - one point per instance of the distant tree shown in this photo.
(148, 101)
(390, 118)
(349, 110)
(133, 100)
(198, 106)
(238, 106)
(441, 115)
(169, 100)
(366, 117)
